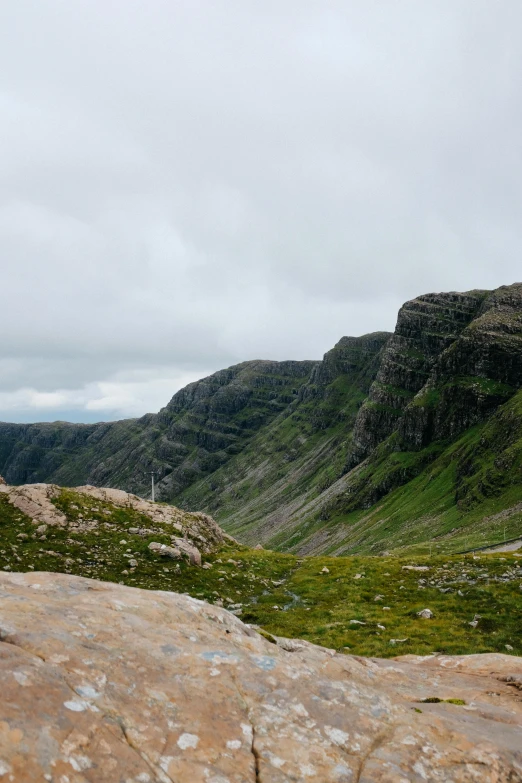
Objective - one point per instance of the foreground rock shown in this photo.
(102, 682)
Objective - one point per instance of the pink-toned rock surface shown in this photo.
(34, 500)
(101, 682)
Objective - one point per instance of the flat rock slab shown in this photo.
(101, 682)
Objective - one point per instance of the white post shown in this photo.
(152, 473)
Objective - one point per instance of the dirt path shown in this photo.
(512, 547)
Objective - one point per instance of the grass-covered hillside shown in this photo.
(362, 605)
(447, 497)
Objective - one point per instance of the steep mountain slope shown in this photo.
(449, 496)
(303, 450)
(443, 373)
(202, 426)
(453, 361)
(382, 435)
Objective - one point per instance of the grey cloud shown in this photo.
(186, 185)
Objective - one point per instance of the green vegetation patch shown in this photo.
(362, 605)
(436, 700)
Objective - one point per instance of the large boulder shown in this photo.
(102, 682)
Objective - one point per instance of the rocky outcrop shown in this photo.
(35, 501)
(105, 682)
(190, 534)
(196, 526)
(426, 327)
(453, 359)
(349, 357)
(476, 374)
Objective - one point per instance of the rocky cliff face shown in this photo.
(426, 327)
(106, 682)
(454, 358)
(473, 376)
(201, 427)
(351, 356)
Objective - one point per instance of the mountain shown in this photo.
(201, 427)
(391, 441)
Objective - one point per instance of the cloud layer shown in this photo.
(188, 185)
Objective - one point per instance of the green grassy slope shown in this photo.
(299, 454)
(314, 598)
(458, 496)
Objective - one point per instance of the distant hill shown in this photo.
(411, 439)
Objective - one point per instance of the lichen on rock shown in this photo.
(102, 682)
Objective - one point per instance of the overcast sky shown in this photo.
(186, 184)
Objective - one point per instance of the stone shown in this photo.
(34, 500)
(427, 614)
(188, 549)
(103, 682)
(164, 550)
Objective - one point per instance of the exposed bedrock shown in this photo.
(102, 682)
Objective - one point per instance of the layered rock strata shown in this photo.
(426, 326)
(199, 430)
